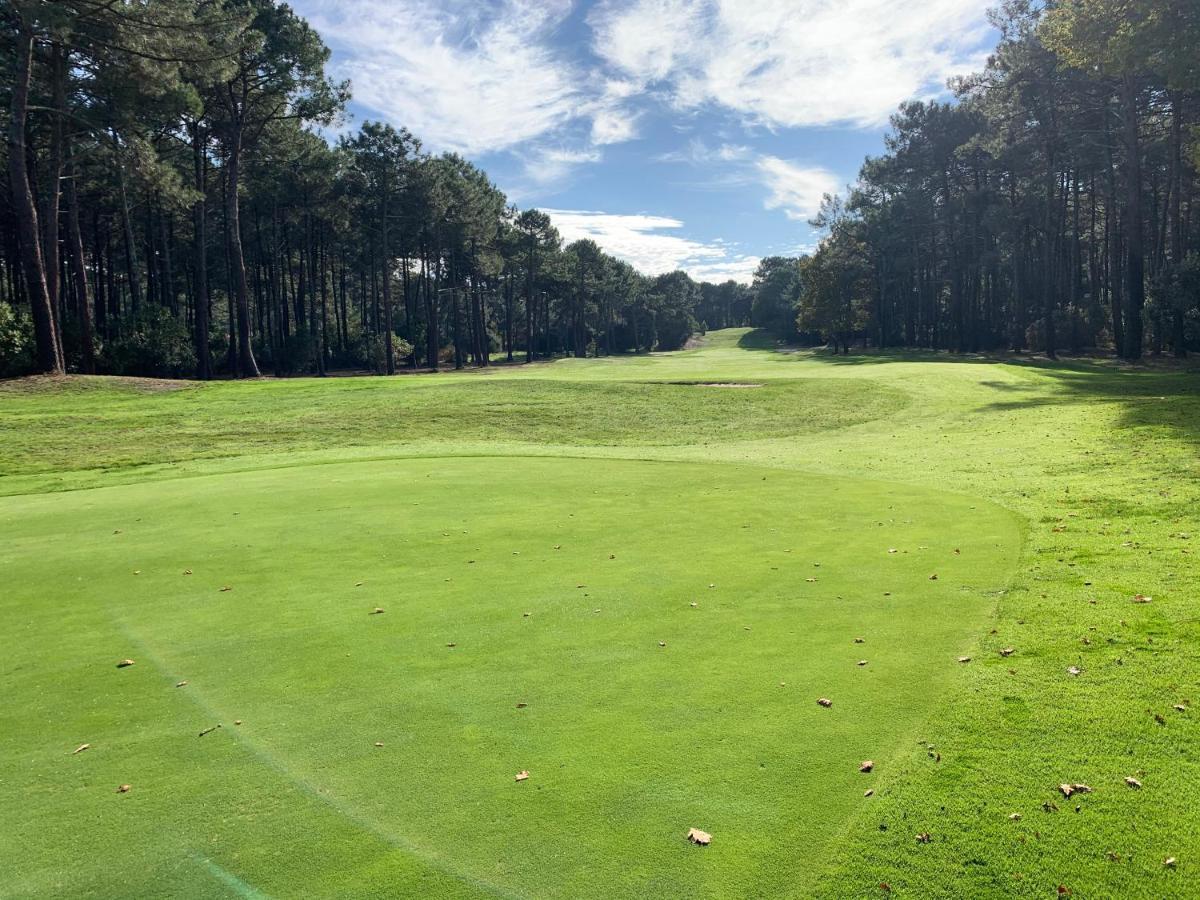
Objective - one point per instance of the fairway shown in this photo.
(643, 627)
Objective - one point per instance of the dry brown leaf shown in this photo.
(522, 775)
(1015, 817)
(81, 748)
(696, 836)
(825, 702)
(1076, 788)
(867, 765)
(125, 789)
(1179, 707)
(1141, 598)
(1159, 719)
(1132, 782)
(964, 659)
(124, 663)
(1007, 651)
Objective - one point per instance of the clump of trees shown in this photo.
(1052, 207)
(173, 209)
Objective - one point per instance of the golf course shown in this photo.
(513, 632)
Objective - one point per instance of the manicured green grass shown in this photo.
(1065, 489)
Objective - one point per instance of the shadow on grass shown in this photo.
(1156, 394)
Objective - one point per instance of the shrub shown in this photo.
(154, 343)
(16, 341)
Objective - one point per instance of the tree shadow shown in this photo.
(761, 339)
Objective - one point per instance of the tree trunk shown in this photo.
(49, 354)
(247, 367)
(83, 312)
(1135, 291)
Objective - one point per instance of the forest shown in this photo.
(176, 207)
(203, 224)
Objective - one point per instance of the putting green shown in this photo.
(555, 580)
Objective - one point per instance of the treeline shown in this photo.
(1053, 207)
(173, 211)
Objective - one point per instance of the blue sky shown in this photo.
(694, 134)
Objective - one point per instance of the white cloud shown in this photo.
(793, 63)
(795, 189)
(462, 75)
(647, 243)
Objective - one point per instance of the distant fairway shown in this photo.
(558, 572)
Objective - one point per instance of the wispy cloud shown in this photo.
(652, 245)
(794, 188)
(463, 75)
(792, 63)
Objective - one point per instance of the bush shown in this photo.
(370, 352)
(16, 342)
(155, 343)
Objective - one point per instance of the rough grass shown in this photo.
(87, 423)
(628, 743)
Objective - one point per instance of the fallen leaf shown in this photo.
(81, 748)
(662, 643)
(1077, 788)
(696, 836)
(1064, 891)
(810, 580)
(1132, 782)
(1169, 862)
(180, 684)
(933, 577)
(1141, 598)
(825, 702)
(358, 584)
(869, 792)
(125, 789)
(1179, 707)
(522, 705)
(226, 588)
(867, 765)
(1007, 651)
(452, 644)
(924, 838)
(694, 604)
(1159, 719)
(125, 662)
(379, 743)
(885, 887)
(858, 641)
(862, 662)
(964, 659)
(237, 721)
(892, 550)
(1016, 817)
(1074, 670)
(376, 611)
(522, 775)
(187, 571)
